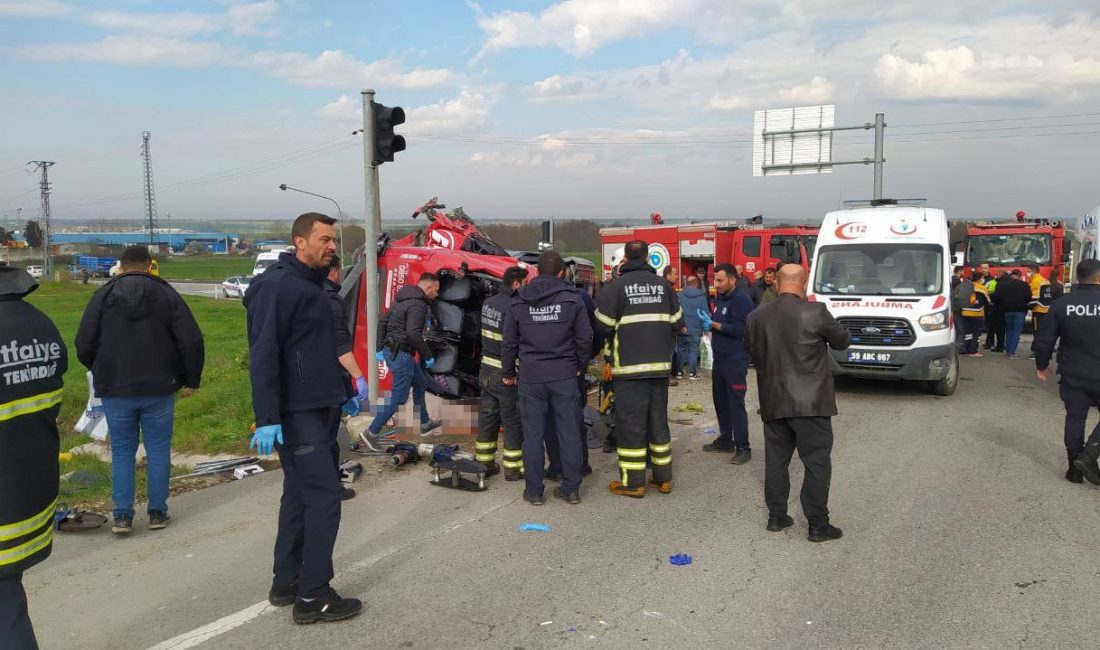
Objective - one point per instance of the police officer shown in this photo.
(641, 313)
(547, 330)
(403, 336)
(1072, 324)
(30, 398)
(297, 391)
(499, 400)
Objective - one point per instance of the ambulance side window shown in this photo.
(750, 246)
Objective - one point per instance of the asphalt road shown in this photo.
(199, 288)
(959, 532)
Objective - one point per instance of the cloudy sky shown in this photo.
(523, 109)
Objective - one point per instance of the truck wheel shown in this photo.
(948, 384)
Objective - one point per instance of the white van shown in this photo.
(1088, 236)
(883, 270)
(264, 260)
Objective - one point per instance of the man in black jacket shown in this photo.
(404, 336)
(142, 344)
(33, 360)
(789, 340)
(1073, 323)
(546, 330)
(1012, 296)
(297, 391)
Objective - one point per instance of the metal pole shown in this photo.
(370, 256)
(880, 127)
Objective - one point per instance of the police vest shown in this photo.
(33, 359)
(641, 313)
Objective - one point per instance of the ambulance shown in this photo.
(883, 270)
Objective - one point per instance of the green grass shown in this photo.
(214, 418)
(591, 256)
(204, 267)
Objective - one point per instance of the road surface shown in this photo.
(959, 532)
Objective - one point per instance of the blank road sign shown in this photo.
(789, 141)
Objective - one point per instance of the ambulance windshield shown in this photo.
(879, 270)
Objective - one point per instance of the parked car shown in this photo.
(36, 272)
(236, 286)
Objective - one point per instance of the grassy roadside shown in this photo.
(204, 267)
(213, 419)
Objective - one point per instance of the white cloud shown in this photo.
(180, 24)
(251, 19)
(818, 91)
(337, 69)
(135, 50)
(466, 112)
(33, 8)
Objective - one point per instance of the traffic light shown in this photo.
(385, 142)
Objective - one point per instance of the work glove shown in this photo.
(361, 388)
(266, 437)
(378, 356)
(350, 407)
(705, 319)
(430, 363)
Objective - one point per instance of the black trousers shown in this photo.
(641, 430)
(813, 438)
(552, 450)
(1077, 400)
(728, 387)
(309, 513)
(972, 333)
(539, 404)
(16, 632)
(499, 405)
(994, 328)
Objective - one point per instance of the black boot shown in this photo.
(1073, 475)
(1086, 462)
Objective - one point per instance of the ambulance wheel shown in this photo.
(948, 384)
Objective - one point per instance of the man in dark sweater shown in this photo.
(1012, 296)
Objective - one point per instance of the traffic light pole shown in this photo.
(371, 226)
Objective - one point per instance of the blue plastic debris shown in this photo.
(680, 559)
(541, 528)
(572, 629)
(710, 431)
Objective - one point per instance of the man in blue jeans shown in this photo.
(692, 300)
(1012, 296)
(142, 344)
(404, 335)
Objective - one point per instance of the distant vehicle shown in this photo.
(266, 259)
(36, 272)
(96, 267)
(1088, 236)
(1013, 245)
(236, 286)
(154, 268)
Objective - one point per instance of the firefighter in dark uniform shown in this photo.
(499, 400)
(1073, 322)
(297, 392)
(640, 312)
(34, 360)
(547, 330)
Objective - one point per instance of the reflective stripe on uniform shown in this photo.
(646, 318)
(17, 553)
(605, 319)
(11, 531)
(27, 405)
(661, 460)
(486, 446)
(485, 458)
(660, 449)
(664, 366)
(630, 466)
(512, 464)
(678, 315)
(490, 334)
(490, 361)
(631, 453)
(513, 453)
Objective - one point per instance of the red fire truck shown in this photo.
(1007, 246)
(687, 246)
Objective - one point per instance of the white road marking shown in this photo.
(226, 623)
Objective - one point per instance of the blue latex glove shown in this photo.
(705, 318)
(266, 437)
(430, 363)
(350, 407)
(378, 356)
(361, 388)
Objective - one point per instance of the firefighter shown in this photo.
(641, 313)
(547, 331)
(973, 317)
(499, 400)
(1073, 324)
(1040, 297)
(34, 359)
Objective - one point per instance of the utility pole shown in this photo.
(44, 212)
(150, 191)
(370, 241)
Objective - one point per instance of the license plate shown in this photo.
(869, 357)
